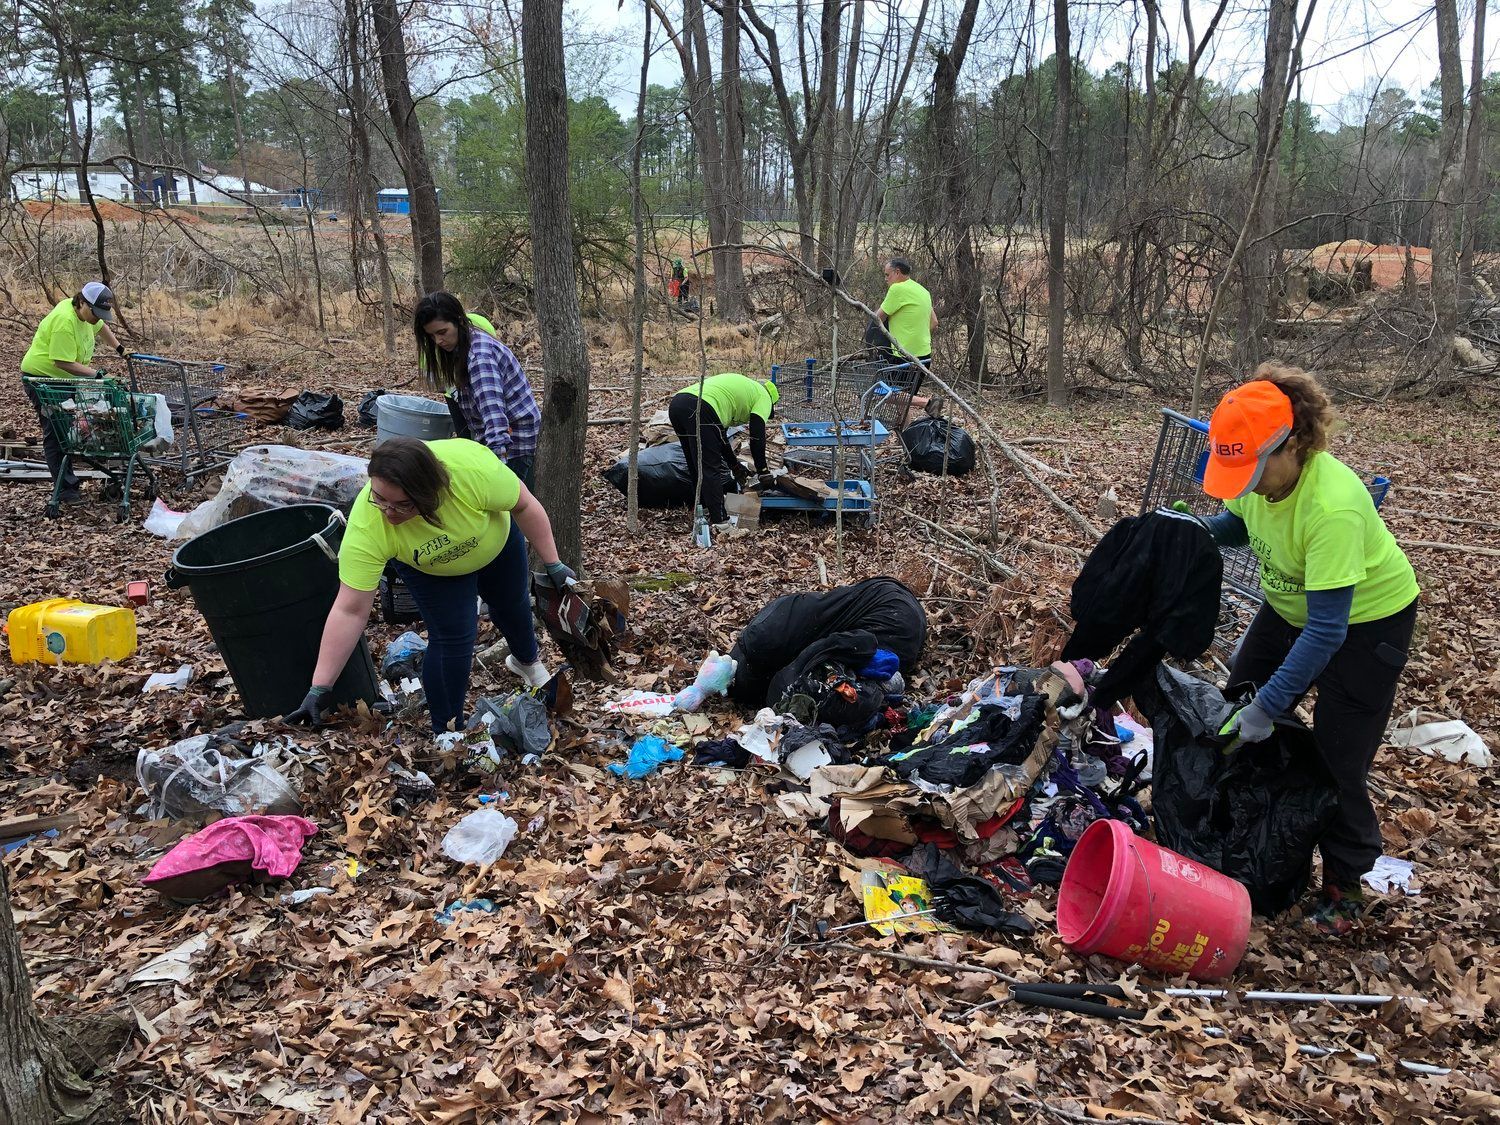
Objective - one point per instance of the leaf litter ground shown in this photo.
(652, 956)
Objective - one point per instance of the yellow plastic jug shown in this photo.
(66, 629)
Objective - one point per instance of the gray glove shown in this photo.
(560, 575)
(1249, 724)
(311, 711)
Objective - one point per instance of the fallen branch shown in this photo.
(923, 962)
(960, 543)
(1444, 519)
(1458, 548)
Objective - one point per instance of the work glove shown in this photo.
(311, 711)
(560, 575)
(740, 470)
(1249, 724)
(766, 478)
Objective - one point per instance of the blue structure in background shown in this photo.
(393, 201)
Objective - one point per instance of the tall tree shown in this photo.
(1473, 142)
(1057, 204)
(638, 295)
(953, 171)
(37, 1084)
(565, 357)
(1450, 188)
(426, 219)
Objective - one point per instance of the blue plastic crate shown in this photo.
(822, 435)
(859, 496)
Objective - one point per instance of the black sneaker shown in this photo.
(70, 496)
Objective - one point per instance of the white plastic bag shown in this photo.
(1451, 739)
(168, 681)
(649, 704)
(162, 520)
(761, 736)
(273, 476)
(480, 838)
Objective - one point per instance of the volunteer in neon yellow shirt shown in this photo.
(729, 399)
(63, 348)
(444, 511)
(1341, 602)
(906, 313)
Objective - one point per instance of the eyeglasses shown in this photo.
(400, 507)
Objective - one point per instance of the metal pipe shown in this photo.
(1313, 1051)
(1357, 1000)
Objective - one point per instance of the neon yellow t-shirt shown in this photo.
(734, 397)
(475, 519)
(61, 336)
(908, 307)
(1326, 535)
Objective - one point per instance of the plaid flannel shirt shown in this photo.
(498, 404)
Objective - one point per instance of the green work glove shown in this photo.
(1182, 506)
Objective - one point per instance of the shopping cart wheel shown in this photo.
(53, 511)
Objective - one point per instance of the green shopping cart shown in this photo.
(100, 422)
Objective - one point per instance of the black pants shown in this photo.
(51, 448)
(717, 454)
(1355, 695)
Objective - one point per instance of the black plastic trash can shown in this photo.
(265, 583)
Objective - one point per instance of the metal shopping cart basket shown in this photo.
(100, 422)
(1177, 475)
(206, 433)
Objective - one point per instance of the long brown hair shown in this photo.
(1314, 420)
(444, 369)
(412, 466)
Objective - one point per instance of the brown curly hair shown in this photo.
(1314, 420)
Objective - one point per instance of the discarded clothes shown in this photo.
(882, 666)
(779, 634)
(1256, 815)
(230, 851)
(721, 752)
(973, 903)
(1158, 574)
(996, 735)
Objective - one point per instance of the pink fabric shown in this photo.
(1070, 673)
(272, 844)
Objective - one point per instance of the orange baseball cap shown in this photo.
(1247, 426)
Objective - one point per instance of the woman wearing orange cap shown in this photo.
(1341, 601)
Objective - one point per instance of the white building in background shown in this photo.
(107, 183)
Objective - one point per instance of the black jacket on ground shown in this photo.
(777, 637)
(1160, 574)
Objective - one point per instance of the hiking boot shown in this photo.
(534, 675)
(70, 496)
(1338, 911)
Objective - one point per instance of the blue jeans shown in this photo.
(447, 605)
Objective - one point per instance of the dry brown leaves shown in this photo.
(650, 958)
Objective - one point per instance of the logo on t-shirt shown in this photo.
(454, 552)
(1273, 577)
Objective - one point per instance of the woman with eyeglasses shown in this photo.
(443, 511)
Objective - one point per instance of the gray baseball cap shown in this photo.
(101, 299)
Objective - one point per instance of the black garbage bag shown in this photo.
(666, 481)
(1256, 815)
(313, 411)
(366, 414)
(926, 438)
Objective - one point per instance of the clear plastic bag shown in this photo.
(274, 476)
(211, 773)
(480, 838)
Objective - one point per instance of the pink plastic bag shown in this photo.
(229, 851)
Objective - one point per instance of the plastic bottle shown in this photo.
(702, 536)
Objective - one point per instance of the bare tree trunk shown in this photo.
(1449, 189)
(426, 219)
(1057, 206)
(363, 205)
(233, 86)
(729, 272)
(953, 168)
(1473, 142)
(1261, 255)
(37, 1084)
(565, 357)
(638, 309)
(828, 130)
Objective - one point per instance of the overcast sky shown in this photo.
(1352, 44)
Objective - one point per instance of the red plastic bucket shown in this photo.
(1129, 899)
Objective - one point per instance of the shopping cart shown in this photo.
(98, 421)
(206, 433)
(1177, 475)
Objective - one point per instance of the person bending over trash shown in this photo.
(444, 511)
(728, 400)
(1341, 602)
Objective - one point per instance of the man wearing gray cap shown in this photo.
(63, 348)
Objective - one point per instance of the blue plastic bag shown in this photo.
(646, 755)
